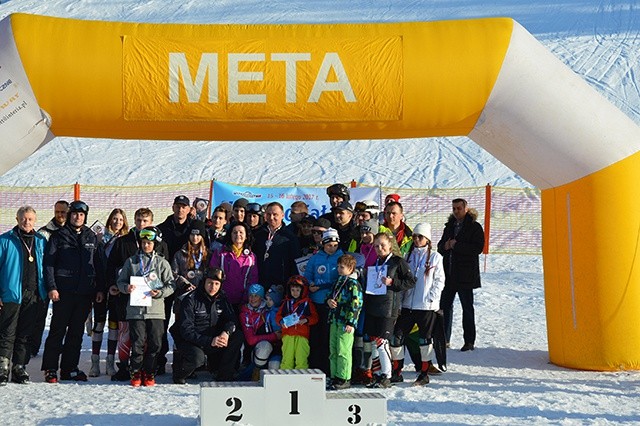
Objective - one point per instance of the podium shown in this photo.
(288, 397)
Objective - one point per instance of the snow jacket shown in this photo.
(322, 270)
(388, 305)
(304, 307)
(161, 268)
(203, 317)
(241, 272)
(68, 261)
(427, 267)
(125, 247)
(403, 236)
(462, 263)
(181, 272)
(255, 326)
(174, 234)
(51, 227)
(11, 261)
(348, 294)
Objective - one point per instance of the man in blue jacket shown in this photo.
(22, 291)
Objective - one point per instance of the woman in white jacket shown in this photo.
(419, 304)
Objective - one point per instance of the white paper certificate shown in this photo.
(374, 280)
(141, 294)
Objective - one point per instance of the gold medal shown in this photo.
(30, 258)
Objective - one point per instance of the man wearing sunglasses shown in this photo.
(70, 280)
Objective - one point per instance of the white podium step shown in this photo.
(288, 397)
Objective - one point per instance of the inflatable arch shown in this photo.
(488, 79)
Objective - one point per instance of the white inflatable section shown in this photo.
(543, 121)
(20, 115)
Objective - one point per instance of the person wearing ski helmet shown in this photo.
(146, 322)
(338, 194)
(70, 281)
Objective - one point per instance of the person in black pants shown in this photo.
(460, 246)
(175, 233)
(69, 278)
(207, 325)
(22, 294)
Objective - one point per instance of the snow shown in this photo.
(508, 379)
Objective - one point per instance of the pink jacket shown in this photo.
(241, 272)
(254, 325)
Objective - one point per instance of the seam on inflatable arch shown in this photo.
(571, 277)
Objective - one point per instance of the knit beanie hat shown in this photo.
(370, 225)
(423, 229)
(330, 236)
(256, 289)
(276, 293)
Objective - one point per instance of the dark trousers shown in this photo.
(319, 341)
(145, 331)
(224, 360)
(468, 313)
(35, 341)
(67, 325)
(17, 327)
(164, 348)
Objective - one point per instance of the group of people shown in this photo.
(345, 293)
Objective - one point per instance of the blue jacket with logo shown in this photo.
(11, 266)
(322, 270)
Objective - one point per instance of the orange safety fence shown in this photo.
(513, 225)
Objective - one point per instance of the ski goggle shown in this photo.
(253, 208)
(79, 206)
(148, 234)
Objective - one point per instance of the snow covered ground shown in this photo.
(507, 379)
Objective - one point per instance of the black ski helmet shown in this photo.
(78, 207)
(340, 190)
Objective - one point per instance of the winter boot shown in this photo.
(4, 371)
(136, 379)
(51, 376)
(396, 373)
(75, 375)
(94, 371)
(422, 379)
(148, 379)
(19, 374)
(382, 382)
(111, 369)
(122, 375)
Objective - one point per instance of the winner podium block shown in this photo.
(288, 397)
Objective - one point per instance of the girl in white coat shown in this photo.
(419, 304)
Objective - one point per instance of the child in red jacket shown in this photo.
(296, 315)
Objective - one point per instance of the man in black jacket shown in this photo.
(276, 248)
(69, 278)
(461, 244)
(175, 232)
(207, 325)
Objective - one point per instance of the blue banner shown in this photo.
(315, 197)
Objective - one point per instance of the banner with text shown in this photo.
(315, 197)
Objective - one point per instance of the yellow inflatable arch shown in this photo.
(488, 79)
